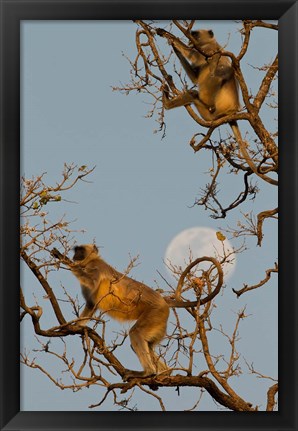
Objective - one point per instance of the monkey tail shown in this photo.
(236, 131)
(189, 267)
(179, 303)
(243, 150)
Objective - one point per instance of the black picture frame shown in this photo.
(12, 12)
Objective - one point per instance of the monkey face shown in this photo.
(202, 36)
(79, 252)
(82, 251)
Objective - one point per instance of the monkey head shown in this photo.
(81, 252)
(202, 37)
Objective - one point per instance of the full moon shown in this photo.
(196, 242)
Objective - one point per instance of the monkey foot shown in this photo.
(167, 372)
(130, 374)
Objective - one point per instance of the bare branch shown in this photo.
(272, 391)
(247, 288)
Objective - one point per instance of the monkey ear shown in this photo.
(211, 33)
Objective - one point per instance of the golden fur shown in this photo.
(123, 299)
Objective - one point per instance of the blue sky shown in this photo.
(143, 187)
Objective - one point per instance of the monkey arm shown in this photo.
(183, 51)
(88, 275)
(163, 33)
(213, 65)
(191, 54)
(173, 40)
(192, 71)
(225, 72)
(56, 253)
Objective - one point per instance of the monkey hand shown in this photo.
(165, 89)
(56, 253)
(161, 32)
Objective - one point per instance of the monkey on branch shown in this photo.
(126, 299)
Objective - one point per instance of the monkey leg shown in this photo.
(86, 314)
(148, 331)
(187, 98)
(183, 99)
(161, 366)
(141, 348)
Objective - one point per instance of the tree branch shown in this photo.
(45, 286)
(247, 288)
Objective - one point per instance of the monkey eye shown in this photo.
(211, 33)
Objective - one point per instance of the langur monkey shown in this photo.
(217, 88)
(124, 299)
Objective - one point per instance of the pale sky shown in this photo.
(142, 190)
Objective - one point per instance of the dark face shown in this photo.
(79, 252)
(197, 34)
